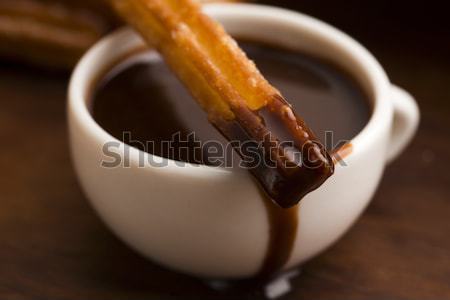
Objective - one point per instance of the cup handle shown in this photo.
(405, 123)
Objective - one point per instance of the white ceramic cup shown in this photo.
(210, 221)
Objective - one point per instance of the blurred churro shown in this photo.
(48, 33)
(53, 33)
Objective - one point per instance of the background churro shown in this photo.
(53, 33)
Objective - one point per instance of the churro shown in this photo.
(53, 33)
(280, 150)
(48, 33)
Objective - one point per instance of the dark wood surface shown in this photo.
(53, 246)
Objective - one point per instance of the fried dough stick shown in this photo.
(53, 33)
(239, 101)
(48, 33)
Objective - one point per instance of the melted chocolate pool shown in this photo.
(139, 100)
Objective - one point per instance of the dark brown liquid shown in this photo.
(141, 97)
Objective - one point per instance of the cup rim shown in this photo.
(379, 82)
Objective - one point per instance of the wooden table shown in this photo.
(53, 246)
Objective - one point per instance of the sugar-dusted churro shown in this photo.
(276, 145)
